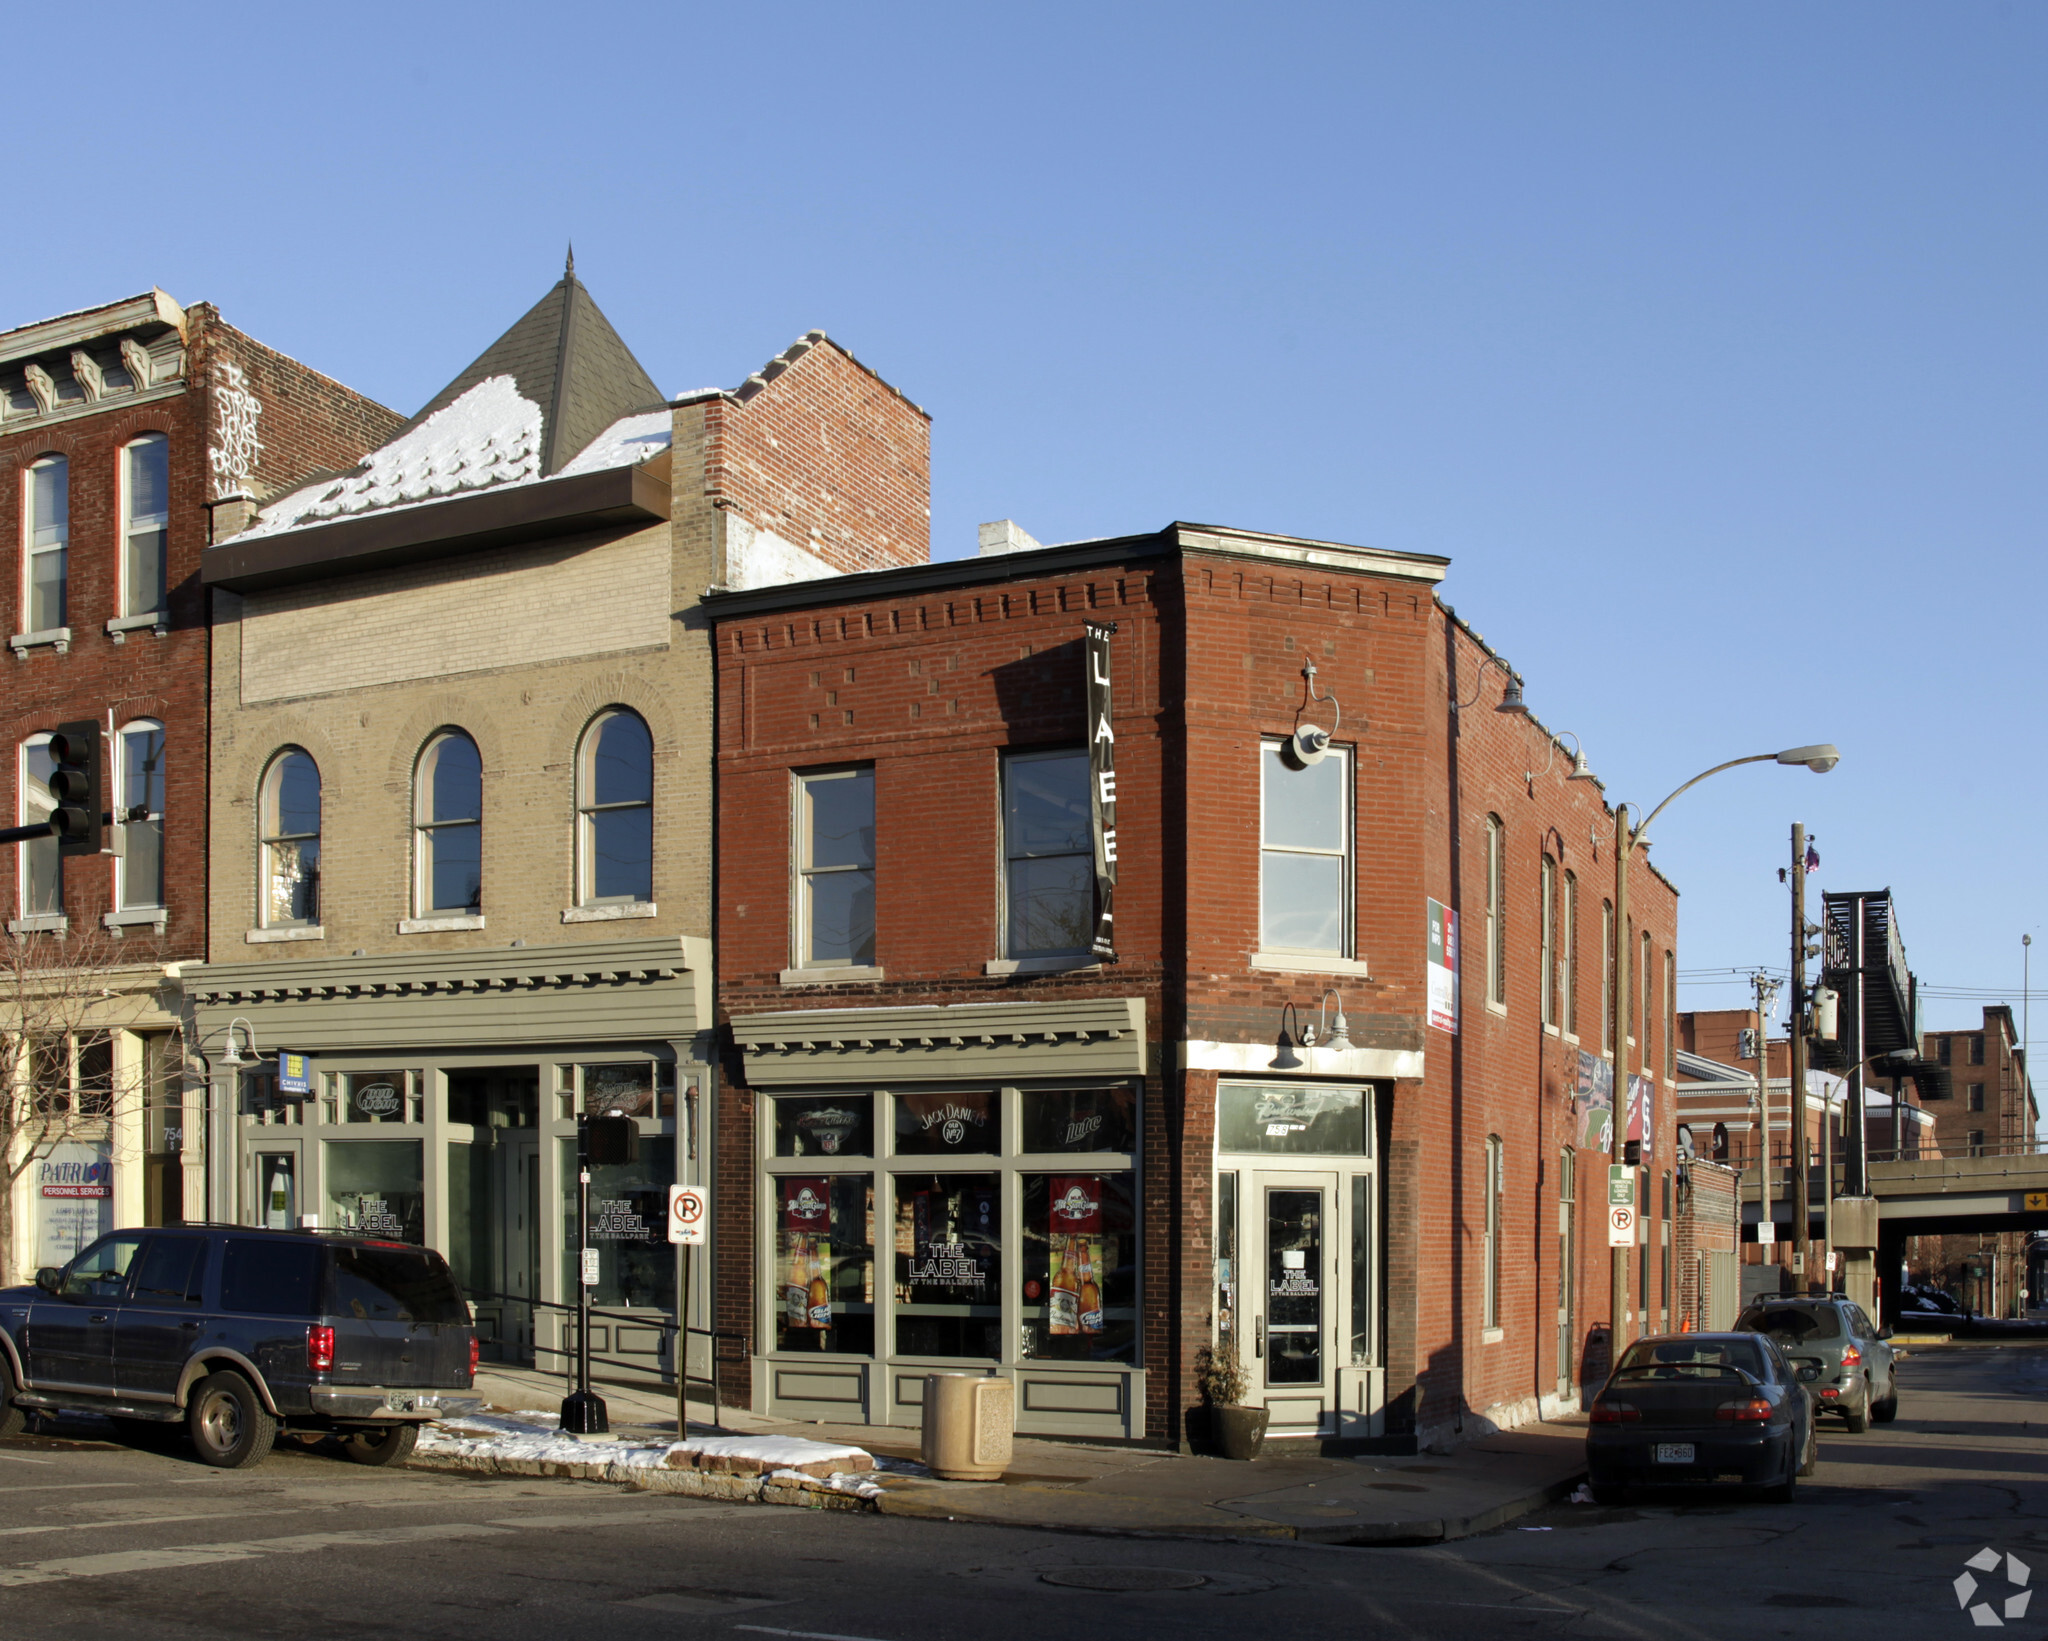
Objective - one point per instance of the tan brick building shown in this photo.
(461, 818)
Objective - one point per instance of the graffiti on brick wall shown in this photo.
(236, 449)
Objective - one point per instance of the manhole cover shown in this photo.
(1124, 1578)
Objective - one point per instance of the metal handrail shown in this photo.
(659, 1319)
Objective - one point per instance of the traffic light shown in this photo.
(75, 787)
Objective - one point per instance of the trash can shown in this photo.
(968, 1421)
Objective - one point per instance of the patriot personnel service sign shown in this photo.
(1102, 786)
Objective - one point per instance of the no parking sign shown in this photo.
(686, 1214)
(1621, 1225)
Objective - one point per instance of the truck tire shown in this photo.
(13, 1420)
(392, 1445)
(230, 1427)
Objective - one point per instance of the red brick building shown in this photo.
(124, 430)
(950, 1136)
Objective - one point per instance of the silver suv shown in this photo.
(1857, 1367)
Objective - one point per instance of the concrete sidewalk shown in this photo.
(1077, 1487)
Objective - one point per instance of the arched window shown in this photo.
(42, 869)
(47, 529)
(139, 784)
(145, 524)
(615, 811)
(448, 811)
(290, 809)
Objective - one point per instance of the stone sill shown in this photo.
(1073, 964)
(158, 621)
(849, 975)
(303, 931)
(609, 913)
(41, 923)
(58, 638)
(135, 917)
(440, 925)
(1310, 963)
(1492, 1336)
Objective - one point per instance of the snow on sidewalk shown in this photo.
(772, 1469)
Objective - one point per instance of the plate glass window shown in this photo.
(1305, 854)
(48, 497)
(42, 871)
(836, 869)
(615, 811)
(1048, 854)
(146, 522)
(949, 1265)
(291, 842)
(449, 800)
(140, 785)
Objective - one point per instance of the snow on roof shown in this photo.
(488, 439)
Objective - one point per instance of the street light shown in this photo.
(1820, 759)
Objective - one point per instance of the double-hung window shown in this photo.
(448, 800)
(1048, 855)
(1547, 910)
(42, 868)
(48, 530)
(615, 812)
(290, 807)
(1568, 939)
(1495, 1189)
(1305, 854)
(145, 524)
(1496, 912)
(139, 776)
(835, 869)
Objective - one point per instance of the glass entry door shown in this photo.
(1291, 1256)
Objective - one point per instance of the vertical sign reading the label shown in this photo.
(1102, 785)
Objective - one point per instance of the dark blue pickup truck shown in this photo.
(237, 1333)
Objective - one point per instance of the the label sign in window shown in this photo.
(948, 1265)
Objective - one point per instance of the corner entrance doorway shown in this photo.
(1298, 1241)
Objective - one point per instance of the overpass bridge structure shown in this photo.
(2004, 1189)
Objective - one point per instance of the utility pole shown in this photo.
(1802, 1207)
(1766, 994)
(1617, 1276)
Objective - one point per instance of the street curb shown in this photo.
(1438, 1529)
(786, 1489)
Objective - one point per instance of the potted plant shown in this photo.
(1236, 1430)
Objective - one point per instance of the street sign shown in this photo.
(1766, 1231)
(1621, 1185)
(294, 1074)
(1621, 1225)
(1832, 1257)
(591, 1278)
(2037, 1202)
(686, 1214)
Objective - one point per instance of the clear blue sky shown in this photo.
(1707, 341)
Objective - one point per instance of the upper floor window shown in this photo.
(1547, 910)
(1941, 1049)
(835, 868)
(1305, 854)
(1607, 976)
(1670, 1016)
(1645, 1009)
(615, 811)
(290, 807)
(1976, 1096)
(448, 816)
(145, 524)
(1977, 1049)
(1048, 855)
(1568, 940)
(139, 784)
(1496, 912)
(47, 529)
(42, 868)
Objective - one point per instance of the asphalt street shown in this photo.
(98, 1539)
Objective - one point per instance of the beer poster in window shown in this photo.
(1075, 1234)
(806, 1252)
(1102, 785)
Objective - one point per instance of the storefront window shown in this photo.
(1079, 1270)
(494, 1096)
(628, 1226)
(374, 1186)
(74, 1200)
(948, 1263)
(1362, 1221)
(1226, 1252)
(1080, 1119)
(965, 1123)
(837, 1125)
(277, 1190)
(375, 1097)
(630, 1088)
(1293, 1120)
(825, 1263)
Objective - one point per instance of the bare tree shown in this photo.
(64, 999)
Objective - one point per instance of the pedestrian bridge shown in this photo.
(2003, 1190)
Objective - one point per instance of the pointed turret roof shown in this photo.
(566, 358)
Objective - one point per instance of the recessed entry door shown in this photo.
(1292, 1258)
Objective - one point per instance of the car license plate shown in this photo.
(1674, 1453)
